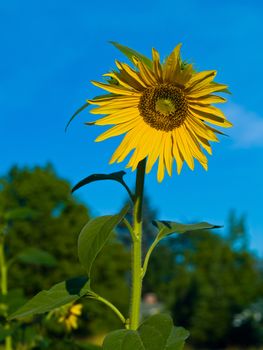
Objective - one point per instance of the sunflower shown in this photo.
(70, 316)
(164, 109)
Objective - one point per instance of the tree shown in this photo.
(54, 224)
(205, 282)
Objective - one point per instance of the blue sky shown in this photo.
(52, 49)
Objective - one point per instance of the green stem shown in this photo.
(110, 305)
(4, 287)
(129, 227)
(147, 257)
(137, 248)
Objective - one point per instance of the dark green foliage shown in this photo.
(205, 279)
(205, 282)
(54, 224)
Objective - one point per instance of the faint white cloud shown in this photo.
(247, 128)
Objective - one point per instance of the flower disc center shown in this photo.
(163, 107)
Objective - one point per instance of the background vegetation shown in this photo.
(210, 281)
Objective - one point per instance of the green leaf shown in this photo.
(129, 53)
(117, 176)
(76, 113)
(156, 333)
(94, 235)
(177, 339)
(80, 109)
(169, 227)
(60, 294)
(123, 340)
(36, 256)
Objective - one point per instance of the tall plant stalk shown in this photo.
(137, 248)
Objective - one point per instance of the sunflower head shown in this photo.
(165, 110)
(69, 316)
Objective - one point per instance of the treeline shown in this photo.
(210, 281)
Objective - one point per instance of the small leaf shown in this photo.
(123, 340)
(37, 257)
(76, 113)
(169, 227)
(94, 235)
(80, 109)
(60, 294)
(129, 53)
(117, 176)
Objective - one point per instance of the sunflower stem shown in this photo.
(148, 255)
(137, 248)
(110, 305)
(4, 286)
(129, 227)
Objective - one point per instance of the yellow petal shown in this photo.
(115, 101)
(73, 322)
(207, 90)
(117, 107)
(194, 145)
(168, 155)
(208, 109)
(207, 100)
(157, 68)
(214, 119)
(76, 309)
(200, 128)
(185, 74)
(128, 143)
(143, 145)
(215, 130)
(171, 65)
(197, 78)
(204, 165)
(184, 148)
(161, 167)
(121, 81)
(129, 80)
(133, 74)
(204, 143)
(146, 74)
(177, 154)
(118, 129)
(116, 89)
(158, 138)
(122, 116)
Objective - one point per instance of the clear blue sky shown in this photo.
(50, 50)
